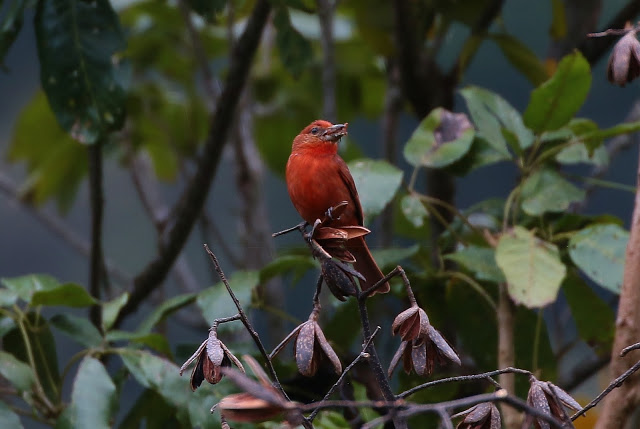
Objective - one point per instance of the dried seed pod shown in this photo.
(481, 416)
(339, 281)
(411, 323)
(311, 346)
(548, 398)
(624, 62)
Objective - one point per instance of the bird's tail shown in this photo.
(366, 265)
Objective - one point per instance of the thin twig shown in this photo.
(464, 378)
(247, 323)
(362, 355)
(299, 227)
(627, 349)
(97, 275)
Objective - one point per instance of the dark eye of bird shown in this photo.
(314, 130)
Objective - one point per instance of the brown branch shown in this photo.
(190, 205)
(506, 353)
(595, 48)
(97, 274)
(619, 405)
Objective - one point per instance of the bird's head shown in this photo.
(320, 132)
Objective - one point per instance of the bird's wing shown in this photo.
(346, 177)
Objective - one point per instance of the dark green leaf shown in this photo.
(594, 318)
(208, 9)
(68, 294)
(555, 102)
(392, 256)
(599, 251)
(295, 51)
(78, 328)
(521, 57)
(111, 309)
(284, 264)
(156, 341)
(55, 162)
(78, 44)
(43, 347)
(17, 372)
(532, 267)
(165, 309)
(377, 183)
(10, 26)
(215, 302)
(440, 139)
(547, 191)
(93, 399)
(9, 419)
(414, 210)
(481, 261)
(491, 114)
(26, 286)
(481, 154)
(578, 152)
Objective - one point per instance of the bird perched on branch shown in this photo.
(319, 179)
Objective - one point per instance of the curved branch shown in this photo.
(190, 205)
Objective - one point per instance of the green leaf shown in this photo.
(286, 263)
(93, 399)
(599, 135)
(547, 191)
(594, 319)
(295, 51)
(481, 261)
(43, 348)
(165, 309)
(55, 162)
(377, 183)
(413, 210)
(555, 102)
(599, 251)
(78, 328)
(9, 419)
(6, 325)
(8, 297)
(440, 139)
(17, 372)
(532, 267)
(215, 301)
(68, 294)
(10, 26)
(521, 57)
(78, 42)
(111, 309)
(156, 341)
(491, 115)
(25, 286)
(392, 256)
(208, 9)
(578, 152)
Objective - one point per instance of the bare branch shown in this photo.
(97, 275)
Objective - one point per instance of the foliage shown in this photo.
(129, 82)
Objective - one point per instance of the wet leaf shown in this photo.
(532, 267)
(599, 251)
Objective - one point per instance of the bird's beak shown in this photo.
(334, 132)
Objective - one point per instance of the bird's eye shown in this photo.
(314, 130)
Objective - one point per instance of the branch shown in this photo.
(190, 205)
(96, 201)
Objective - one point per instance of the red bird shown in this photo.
(318, 179)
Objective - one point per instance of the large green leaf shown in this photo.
(55, 162)
(481, 261)
(9, 419)
(68, 294)
(93, 399)
(495, 120)
(298, 264)
(10, 26)
(295, 51)
(392, 256)
(555, 102)
(532, 267)
(521, 57)
(413, 209)
(25, 286)
(594, 319)
(377, 183)
(165, 309)
(78, 44)
(78, 328)
(547, 191)
(153, 340)
(440, 139)
(18, 373)
(215, 301)
(599, 251)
